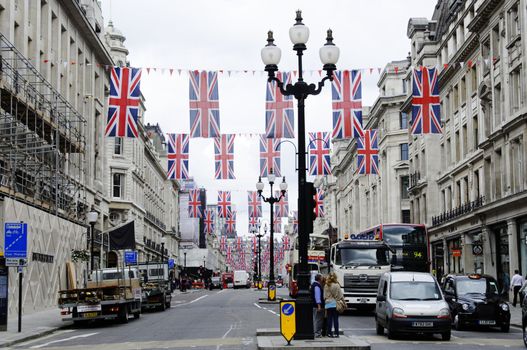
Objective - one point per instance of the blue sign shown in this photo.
(130, 257)
(288, 309)
(171, 263)
(15, 234)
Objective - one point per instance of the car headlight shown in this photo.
(444, 313)
(398, 313)
(464, 307)
(505, 307)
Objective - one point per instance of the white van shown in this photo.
(411, 302)
(241, 279)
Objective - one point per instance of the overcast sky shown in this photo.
(228, 35)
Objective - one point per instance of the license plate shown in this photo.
(89, 314)
(422, 324)
(487, 322)
(88, 308)
(363, 300)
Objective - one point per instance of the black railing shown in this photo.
(155, 220)
(456, 212)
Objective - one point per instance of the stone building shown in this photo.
(52, 116)
(469, 183)
(357, 202)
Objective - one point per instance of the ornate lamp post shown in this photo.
(92, 219)
(259, 262)
(329, 54)
(163, 242)
(271, 286)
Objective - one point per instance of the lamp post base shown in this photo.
(304, 316)
(271, 291)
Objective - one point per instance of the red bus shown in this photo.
(410, 241)
(227, 280)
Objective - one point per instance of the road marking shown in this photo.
(63, 340)
(192, 301)
(258, 306)
(54, 334)
(220, 291)
(224, 336)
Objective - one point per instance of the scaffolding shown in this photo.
(42, 142)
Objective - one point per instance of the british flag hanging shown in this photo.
(368, 153)
(279, 115)
(178, 155)
(285, 240)
(231, 222)
(223, 243)
(208, 221)
(224, 157)
(224, 204)
(281, 208)
(277, 225)
(269, 156)
(194, 203)
(319, 158)
(426, 108)
(319, 203)
(204, 104)
(255, 204)
(347, 104)
(253, 223)
(295, 221)
(239, 244)
(123, 104)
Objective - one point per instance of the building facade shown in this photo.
(474, 199)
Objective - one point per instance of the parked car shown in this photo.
(215, 282)
(411, 302)
(474, 300)
(524, 319)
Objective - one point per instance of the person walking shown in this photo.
(516, 284)
(317, 295)
(332, 293)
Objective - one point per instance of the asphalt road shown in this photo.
(228, 320)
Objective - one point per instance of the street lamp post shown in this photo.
(92, 219)
(259, 262)
(271, 286)
(329, 54)
(163, 242)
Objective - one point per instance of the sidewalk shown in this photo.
(34, 325)
(516, 316)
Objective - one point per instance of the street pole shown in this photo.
(92, 257)
(20, 276)
(271, 285)
(259, 261)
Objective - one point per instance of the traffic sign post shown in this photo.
(130, 257)
(271, 292)
(288, 320)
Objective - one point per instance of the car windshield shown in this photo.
(362, 257)
(414, 291)
(476, 286)
(215, 279)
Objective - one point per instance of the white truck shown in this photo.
(359, 265)
(155, 285)
(241, 279)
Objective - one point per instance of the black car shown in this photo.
(215, 282)
(474, 300)
(524, 319)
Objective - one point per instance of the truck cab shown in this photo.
(359, 265)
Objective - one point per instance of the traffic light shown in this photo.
(309, 204)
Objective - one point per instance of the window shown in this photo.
(118, 185)
(463, 91)
(497, 105)
(405, 183)
(514, 27)
(475, 184)
(473, 79)
(403, 120)
(516, 89)
(458, 147)
(404, 151)
(475, 131)
(465, 139)
(405, 216)
(118, 148)
(495, 43)
(455, 101)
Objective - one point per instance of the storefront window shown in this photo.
(454, 255)
(477, 252)
(438, 259)
(502, 263)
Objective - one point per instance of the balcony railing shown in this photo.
(414, 179)
(456, 212)
(155, 220)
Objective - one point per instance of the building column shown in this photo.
(446, 257)
(514, 261)
(467, 242)
(489, 251)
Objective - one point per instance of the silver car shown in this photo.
(411, 302)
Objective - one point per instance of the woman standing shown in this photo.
(332, 293)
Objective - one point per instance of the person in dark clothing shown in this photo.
(317, 295)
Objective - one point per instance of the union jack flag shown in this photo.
(279, 115)
(368, 153)
(295, 221)
(194, 204)
(319, 203)
(319, 159)
(347, 104)
(255, 245)
(178, 152)
(204, 104)
(224, 156)
(277, 225)
(269, 156)
(208, 221)
(224, 203)
(253, 223)
(282, 206)
(239, 244)
(123, 104)
(426, 109)
(231, 222)
(255, 204)
(229, 254)
(223, 243)
(285, 240)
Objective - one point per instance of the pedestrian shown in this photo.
(317, 295)
(332, 293)
(516, 284)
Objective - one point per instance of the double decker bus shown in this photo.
(316, 255)
(410, 242)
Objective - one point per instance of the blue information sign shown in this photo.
(287, 309)
(15, 234)
(130, 257)
(171, 263)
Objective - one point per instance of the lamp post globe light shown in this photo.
(329, 55)
(271, 285)
(92, 219)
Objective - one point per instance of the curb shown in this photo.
(32, 336)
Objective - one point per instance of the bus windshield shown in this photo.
(411, 245)
(361, 257)
(319, 243)
(405, 234)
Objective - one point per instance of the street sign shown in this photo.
(130, 257)
(287, 320)
(15, 234)
(15, 262)
(271, 291)
(171, 263)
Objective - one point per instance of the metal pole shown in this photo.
(20, 276)
(259, 259)
(92, 224)
(271, 286)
